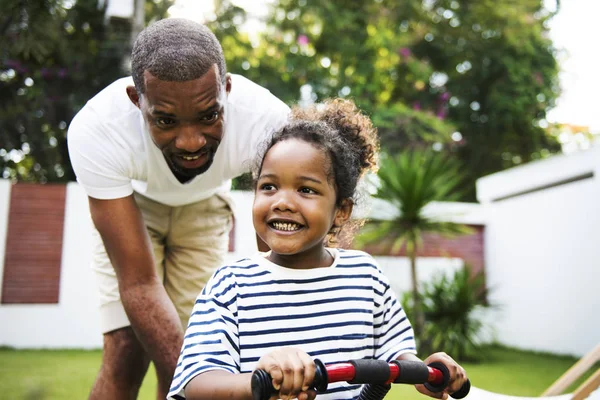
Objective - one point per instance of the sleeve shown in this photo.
(211, 340)
(394, 334)
(276, 116)
(99, 161)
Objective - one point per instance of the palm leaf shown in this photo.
(409, 182)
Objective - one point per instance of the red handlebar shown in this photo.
(377, 374)
(343, 372)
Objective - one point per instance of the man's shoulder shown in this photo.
(109, 112)
(112, 100)
(248, 95)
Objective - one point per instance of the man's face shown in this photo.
(185, 119)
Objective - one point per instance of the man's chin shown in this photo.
(190, 173)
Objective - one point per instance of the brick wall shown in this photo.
(469, 248)
(34, 244)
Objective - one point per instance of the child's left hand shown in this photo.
(458, 376)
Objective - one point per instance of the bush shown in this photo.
(451, 325)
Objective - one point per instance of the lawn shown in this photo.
(69, 374)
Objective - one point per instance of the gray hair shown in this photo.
(175, 49)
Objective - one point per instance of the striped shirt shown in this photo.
(339, 313)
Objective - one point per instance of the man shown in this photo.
(155, 155)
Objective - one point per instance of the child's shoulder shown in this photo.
(355, 256)
(231, 274)
(240, 266)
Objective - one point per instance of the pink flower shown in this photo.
(416, 106)
(302, 40)
(405, 52)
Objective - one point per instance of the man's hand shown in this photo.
(292, 371)
(458, 376)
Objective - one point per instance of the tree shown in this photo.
(501, 78)
(55, 56)
(472, 78)
(409, 182)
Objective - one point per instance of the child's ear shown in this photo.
(343, 212)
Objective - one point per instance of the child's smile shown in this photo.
(286, 226)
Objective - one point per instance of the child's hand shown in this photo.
(458, 376)
(292, 371)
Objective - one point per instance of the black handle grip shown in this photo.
(370, 371)
(463, 391)
(459, 394)
(262, 384)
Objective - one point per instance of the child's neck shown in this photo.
(305, 260)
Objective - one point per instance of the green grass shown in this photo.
(69, 374)
(54, 374)
(509, 371)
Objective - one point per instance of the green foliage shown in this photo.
(54, 59)
(410, 181)
(422, 69)
(449, 304)
(55, 56)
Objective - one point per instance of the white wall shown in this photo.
(4, 208)
(543, 254)
(73, 322)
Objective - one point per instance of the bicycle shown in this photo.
(377, 375)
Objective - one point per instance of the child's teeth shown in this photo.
(285, 226)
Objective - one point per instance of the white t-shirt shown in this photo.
(113, 154)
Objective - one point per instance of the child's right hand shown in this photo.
(292, 371)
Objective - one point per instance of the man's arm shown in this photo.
(151, 313)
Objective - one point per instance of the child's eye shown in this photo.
(307, 191)
(267, 187)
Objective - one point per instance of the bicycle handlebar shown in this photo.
(434, 376)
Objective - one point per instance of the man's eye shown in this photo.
(164, 121)
(213, 116)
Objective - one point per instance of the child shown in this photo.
(279, 310)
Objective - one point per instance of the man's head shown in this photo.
(175, 49)
(181, 88)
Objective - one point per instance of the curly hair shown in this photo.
(175, 49)
(340, 130)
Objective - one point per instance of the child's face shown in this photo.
(295, 203)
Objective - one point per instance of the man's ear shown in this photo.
(133, 95)
(343, 212)
(227, 83)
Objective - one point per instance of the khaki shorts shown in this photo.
(189, 243)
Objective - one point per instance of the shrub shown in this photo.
(451, 322)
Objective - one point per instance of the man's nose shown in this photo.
(190, 138)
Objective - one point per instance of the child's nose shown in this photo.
(284, 202)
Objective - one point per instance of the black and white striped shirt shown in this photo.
(339, 313)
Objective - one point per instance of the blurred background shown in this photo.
(490, 106)
(478, 80)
